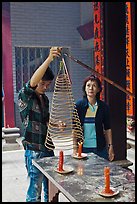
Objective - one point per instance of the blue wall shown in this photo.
(51, 24)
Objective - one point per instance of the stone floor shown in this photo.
(14, 175)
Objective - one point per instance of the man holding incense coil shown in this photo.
(34, 112)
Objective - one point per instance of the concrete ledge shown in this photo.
(131, 143)
(10, 136)
(10, 130)
(132, 137)
(15, 144)
(11, 146)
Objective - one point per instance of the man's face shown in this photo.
(42, 86)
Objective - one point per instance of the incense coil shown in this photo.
(64, 129)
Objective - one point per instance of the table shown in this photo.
(84, 182)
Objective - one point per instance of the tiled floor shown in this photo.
(14, 175)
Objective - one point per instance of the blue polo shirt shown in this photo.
(89, 127)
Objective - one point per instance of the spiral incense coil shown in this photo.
(64, 128)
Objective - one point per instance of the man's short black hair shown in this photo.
(48, 76)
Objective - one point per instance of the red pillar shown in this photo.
(7, 66)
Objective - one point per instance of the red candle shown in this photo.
(107, 179)
(61, 160)
(79, 149)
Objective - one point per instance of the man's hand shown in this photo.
(55, 52)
